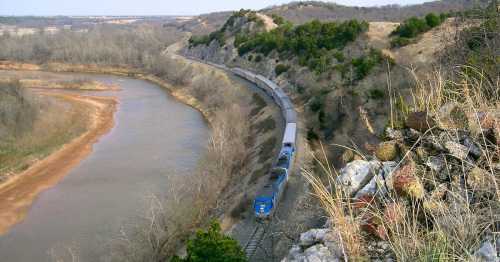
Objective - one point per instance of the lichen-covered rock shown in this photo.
(406, 183)
(394, 134)
(347, 156)
(420, 121)
(374, 226)
(479, 179)
(451, 116)
(356, 174)
(387, 151)
(457, 150)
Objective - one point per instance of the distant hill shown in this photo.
(300, 12)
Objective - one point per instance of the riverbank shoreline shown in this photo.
(109, 70)
(18, 192)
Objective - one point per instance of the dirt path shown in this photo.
(18, 193)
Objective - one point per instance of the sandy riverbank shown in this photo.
(18, 193)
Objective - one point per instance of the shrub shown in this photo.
(415, 26)
(278, 19)
(432, 20)
(364, 64)
(212, 245)
(400, 41)
(281, 68)
(305, 40)
(376, 94)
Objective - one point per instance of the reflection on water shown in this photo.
(154, 137)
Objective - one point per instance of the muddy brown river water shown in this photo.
(154, 137)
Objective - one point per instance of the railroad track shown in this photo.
(255, 239)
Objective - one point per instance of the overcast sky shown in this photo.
(153, 7)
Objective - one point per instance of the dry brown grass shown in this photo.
(337, 205)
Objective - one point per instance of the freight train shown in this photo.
(267, 198)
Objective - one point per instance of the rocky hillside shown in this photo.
(408, 112)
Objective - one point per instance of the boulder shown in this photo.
(316, 245)
(387, 151)
(457, 150)
(436, 163)
(313, 237)
(420, 121)
(356, 174)
(472, 147)
(406, 183)
(318, 253)
(376, 188)
(486, 253)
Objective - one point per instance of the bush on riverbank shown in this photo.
(212, 245)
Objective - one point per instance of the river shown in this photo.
(154, 137)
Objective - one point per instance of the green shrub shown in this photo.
(281, 68)
(376, 94)
(212, 245)
(432, 20)
(415, 26)
(305, 40)
(278, 19)
(365, 64)
(400, 41)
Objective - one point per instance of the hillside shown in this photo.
(357, 84)
(300, 12)
(303, 11)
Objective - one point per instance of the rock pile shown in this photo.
(316, 245)
(434, 164)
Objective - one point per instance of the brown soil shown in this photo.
(18, 193)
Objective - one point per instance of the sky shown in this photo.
(153, 7)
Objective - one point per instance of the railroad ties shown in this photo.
(255, 239)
